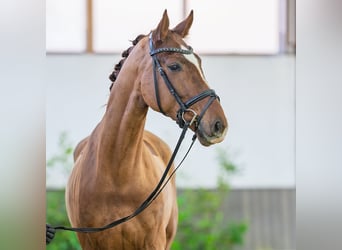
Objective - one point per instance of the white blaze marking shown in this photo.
(193, 59)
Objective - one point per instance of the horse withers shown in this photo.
(119, 163)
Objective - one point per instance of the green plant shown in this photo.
(63, 158)
(57, 215)
(202, 224)
(56, 211)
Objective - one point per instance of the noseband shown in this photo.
(184, 106)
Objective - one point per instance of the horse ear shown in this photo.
(183, 28)
(160, 33)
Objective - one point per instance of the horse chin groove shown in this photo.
(207, 140)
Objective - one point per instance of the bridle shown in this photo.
(182, 122)
(184, 107)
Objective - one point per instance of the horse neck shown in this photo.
(122, 127)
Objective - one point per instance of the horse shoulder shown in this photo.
(157, 146)
(80, 146)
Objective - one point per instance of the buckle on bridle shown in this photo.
(194, 118)
(181, 119)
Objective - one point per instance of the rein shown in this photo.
(184, 108)
(154, 194)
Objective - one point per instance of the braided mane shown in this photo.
(124, 54)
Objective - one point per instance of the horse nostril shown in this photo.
(218, 127)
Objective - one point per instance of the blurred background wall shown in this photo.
(257, 94)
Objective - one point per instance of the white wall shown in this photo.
(257, 94)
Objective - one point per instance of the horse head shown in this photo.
(174, 84)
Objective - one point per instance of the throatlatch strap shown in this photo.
(156, 88)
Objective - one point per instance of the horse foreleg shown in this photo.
(171, 228)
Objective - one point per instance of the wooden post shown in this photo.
(89, 27)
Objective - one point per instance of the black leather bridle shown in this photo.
(184, 107)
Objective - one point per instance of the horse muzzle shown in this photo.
(211, 133)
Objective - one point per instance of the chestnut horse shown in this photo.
(120, 163)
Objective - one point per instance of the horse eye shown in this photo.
(174, 67)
